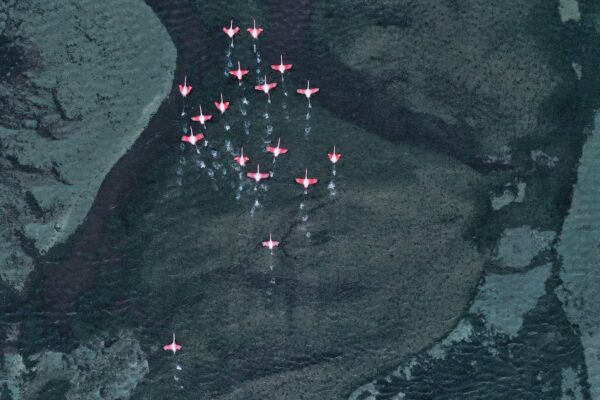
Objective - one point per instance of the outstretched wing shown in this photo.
(184, 90)
(331, 156)
(241, 160)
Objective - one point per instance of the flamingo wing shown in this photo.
(184, 90)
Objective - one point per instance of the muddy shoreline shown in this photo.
(64, 283)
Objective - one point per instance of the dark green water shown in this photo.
(377, 261)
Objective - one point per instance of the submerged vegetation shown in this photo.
(436, 107)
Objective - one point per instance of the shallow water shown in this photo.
(376, 263)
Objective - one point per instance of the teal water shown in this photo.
(356, 284)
